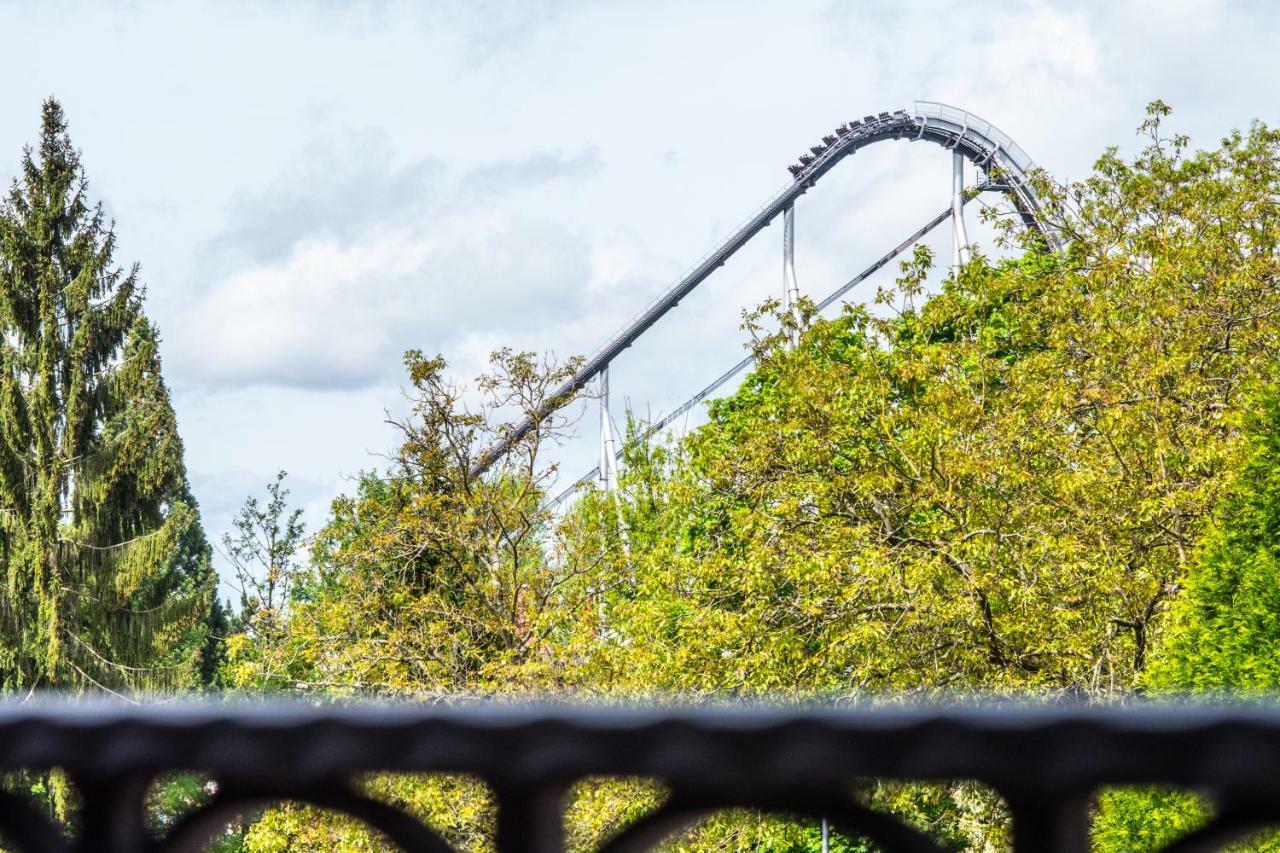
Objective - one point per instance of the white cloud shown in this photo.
(323, 317)
(326, 276)
(1043, 42)
(336, 314)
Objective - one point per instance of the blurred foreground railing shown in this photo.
(1047, 763)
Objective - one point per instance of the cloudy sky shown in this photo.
(312, 188)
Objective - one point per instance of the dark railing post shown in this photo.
(112, 813)
(530, 818)
(1045, 823)
(26, 826)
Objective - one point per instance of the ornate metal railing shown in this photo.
(1047, 763)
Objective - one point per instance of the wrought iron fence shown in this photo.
(1047, 762)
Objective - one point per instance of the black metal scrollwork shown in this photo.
(1047, 762)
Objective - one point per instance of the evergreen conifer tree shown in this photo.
(1224, 636)
(1225, 631)
(106, 574)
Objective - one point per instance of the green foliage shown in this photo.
(999, 489)
(430, 581)
(1223, 636)
(213, 654)
(106, 567)
(1142, 820)
(1225, 626)
(460, 809)
(264, 556)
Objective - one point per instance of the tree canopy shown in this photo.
(1004, 485)
(1000, 489)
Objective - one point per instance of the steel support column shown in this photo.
(790, 288)
(960, 238)
(608, 454)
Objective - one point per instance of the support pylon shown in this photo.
(790, 287)
(608, 479)
(959, 236)
(608, 454)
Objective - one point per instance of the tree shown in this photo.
(432, 581)
(213, 654)
(264, 551)
(1224, 634)
(1000, 489)
(106, 567)
(1224, 631)
(430, 578)
(265, 555)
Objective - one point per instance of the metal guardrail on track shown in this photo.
(1046, 761)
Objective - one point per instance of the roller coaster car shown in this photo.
(829, 139)
(806, 159)
(843, 129)
(817, 149)
(885, 116)
(795, 169)
(868, 119)
(854, 125)
(902, 113)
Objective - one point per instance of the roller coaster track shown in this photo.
(680, 411)
(998, 157)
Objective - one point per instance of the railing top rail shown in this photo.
(1011, 150)
(1045, 760)
(956, 740)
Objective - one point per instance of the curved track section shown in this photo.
(1001, 160)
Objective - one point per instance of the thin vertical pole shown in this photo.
(609, 460)
(826, 836)
(608, 464)
(960, 237)
(790, 288)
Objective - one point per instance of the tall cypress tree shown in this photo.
(1225, 626)
(105, 565)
